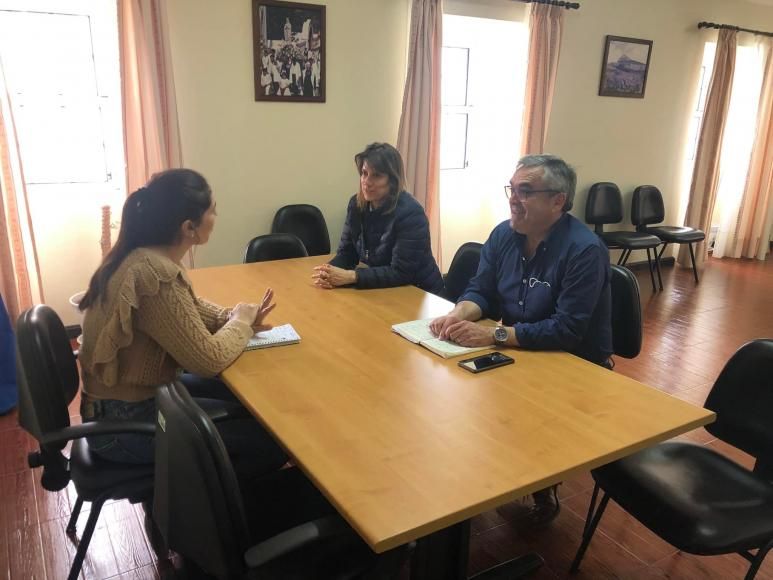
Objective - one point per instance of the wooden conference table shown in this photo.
(405, 443)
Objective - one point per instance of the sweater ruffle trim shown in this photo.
(143, 277)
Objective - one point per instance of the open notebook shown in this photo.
(417, 331)
(277, 336)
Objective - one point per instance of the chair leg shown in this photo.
(591, 522)
(652, 273)
(83, 545)
(76, 510)
(623, 257)
(662, 249)
(692, 259)
(657, 268)
(757, 561)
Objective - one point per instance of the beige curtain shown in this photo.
(752, 233)
(545, 26)
(418, 139)
(705, 175)
(19, 269)
(151, 131)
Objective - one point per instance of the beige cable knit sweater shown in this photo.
(148, 326)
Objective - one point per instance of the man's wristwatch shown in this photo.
(500, 336)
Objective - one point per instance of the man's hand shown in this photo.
(439, 327)
(464, 310)
(466, 333)
(327, 276)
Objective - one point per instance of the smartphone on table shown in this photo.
(485, 362)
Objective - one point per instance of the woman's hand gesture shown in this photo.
(255, 314)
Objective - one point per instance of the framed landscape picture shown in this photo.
(289, 51)
(625, 66)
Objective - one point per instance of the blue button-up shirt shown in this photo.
(559, 299)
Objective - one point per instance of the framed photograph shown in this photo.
(289, 47)
(625, 66)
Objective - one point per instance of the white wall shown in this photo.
(259, 156)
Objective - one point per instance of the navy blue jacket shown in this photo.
(560, 299)
(8, 391)
(394, 244)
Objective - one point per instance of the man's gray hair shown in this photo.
(556, 175)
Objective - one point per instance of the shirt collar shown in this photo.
(555, 232)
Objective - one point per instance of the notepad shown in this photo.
(277, 336)
(418, 332)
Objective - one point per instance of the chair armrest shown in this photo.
(227, 412)
(97, 428)
(294, 539)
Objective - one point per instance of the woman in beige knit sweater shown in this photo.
(143, 324)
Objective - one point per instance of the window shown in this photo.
(482, 93)
(61, 64)
(737, 140)
(64, 87)
(697, 116)
(454, 81)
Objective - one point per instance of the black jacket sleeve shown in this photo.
(346, 256)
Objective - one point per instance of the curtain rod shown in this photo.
(560, 3)
(731, 27)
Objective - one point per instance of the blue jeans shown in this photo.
(252, 450)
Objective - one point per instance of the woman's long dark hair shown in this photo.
(385, 159)
(152, 216)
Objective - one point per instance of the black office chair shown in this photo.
(305, 221)
(605, 206)
(48, 380)
(463, 267)
(626, 313)
(647, 208)
(274, 247)
(200, 511)
(694, 498)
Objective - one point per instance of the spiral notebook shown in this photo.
(277, 336)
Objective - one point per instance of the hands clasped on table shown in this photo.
(328, 277)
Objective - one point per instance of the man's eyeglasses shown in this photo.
(524, 194)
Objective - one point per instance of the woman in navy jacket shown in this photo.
(386, 230)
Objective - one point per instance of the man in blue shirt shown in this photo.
(545, 274)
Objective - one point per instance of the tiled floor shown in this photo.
(690, 331)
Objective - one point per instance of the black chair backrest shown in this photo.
(626, 313)
(742, 398)
(197, 502)
(604, 205)
(47, 373)
(647, 206)
(274, 247)
(305, 221)
(463, 267)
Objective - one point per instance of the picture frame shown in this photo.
(625, 67)
(289, 51)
